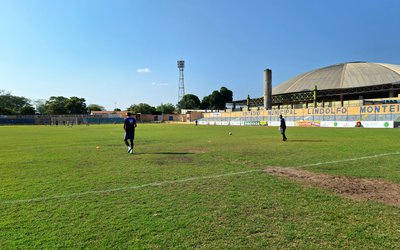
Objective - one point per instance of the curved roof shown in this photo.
(344, 75)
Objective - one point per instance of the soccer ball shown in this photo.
(230, 133)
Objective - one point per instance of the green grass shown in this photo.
(252, 210)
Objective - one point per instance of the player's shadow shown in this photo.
(164, 153)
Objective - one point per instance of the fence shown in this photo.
(89, 119)
(57, 119)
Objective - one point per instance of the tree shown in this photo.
(189, 101)
(205, 103)
(117, 109)
(56, 105)
(40, 105)
(27, 110)
(142, 108)
(216, 100)
(75, 105)
(227, 95)
(10, 104)
(95, 107)
(167, 108)
(6, 111)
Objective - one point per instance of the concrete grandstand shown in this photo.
(336, 95)
(336, 83)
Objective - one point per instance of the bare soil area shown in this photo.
(350, 187)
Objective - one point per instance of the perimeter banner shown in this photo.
(352, 124)
(308, 124)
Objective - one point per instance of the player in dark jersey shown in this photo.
(129, 127)
(282, 128)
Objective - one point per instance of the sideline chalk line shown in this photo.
(156, 184)
(352, 159)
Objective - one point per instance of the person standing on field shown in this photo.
(282, 128)
(129, 127)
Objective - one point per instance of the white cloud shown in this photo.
(143, 71)
(159, 84)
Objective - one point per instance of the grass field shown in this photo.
(191, 187)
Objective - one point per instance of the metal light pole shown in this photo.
(181, 67)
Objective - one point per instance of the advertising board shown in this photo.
(252, 123)
(308, 124)
(353, 124)
(278, 123)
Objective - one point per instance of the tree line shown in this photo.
(55, 105)
(217, 100)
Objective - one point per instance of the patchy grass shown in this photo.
(250, 210)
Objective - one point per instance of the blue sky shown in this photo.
(116, 53)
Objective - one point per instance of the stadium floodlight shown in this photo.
(181, 64)
(181, 90)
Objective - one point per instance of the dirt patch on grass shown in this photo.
(181, 159)
(195, 150)
(350, 187)
(173, 159)
(243, 162)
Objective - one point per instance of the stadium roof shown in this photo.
(342, 76)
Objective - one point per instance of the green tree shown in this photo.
(75, 105)
(27, 110)
(205, 103)
(216, 100)
(6, 111)
(142, 108)
(227, 95)
(56, 105)
(95, 107)
(10, 104)
(40, 105)
(189, 101)
(117, 109)
(167, 108)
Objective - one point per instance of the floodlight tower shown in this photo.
(181, 67)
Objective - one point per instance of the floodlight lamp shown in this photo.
(181, 64)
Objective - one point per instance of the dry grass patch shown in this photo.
(350, 187)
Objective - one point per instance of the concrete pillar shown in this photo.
(268, 89)
(315, 97)
(248, 102)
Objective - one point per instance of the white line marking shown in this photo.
(352, 159)
(154, 184)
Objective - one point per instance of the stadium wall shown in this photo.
(88, 119)
(387, 115)
(160, 118)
